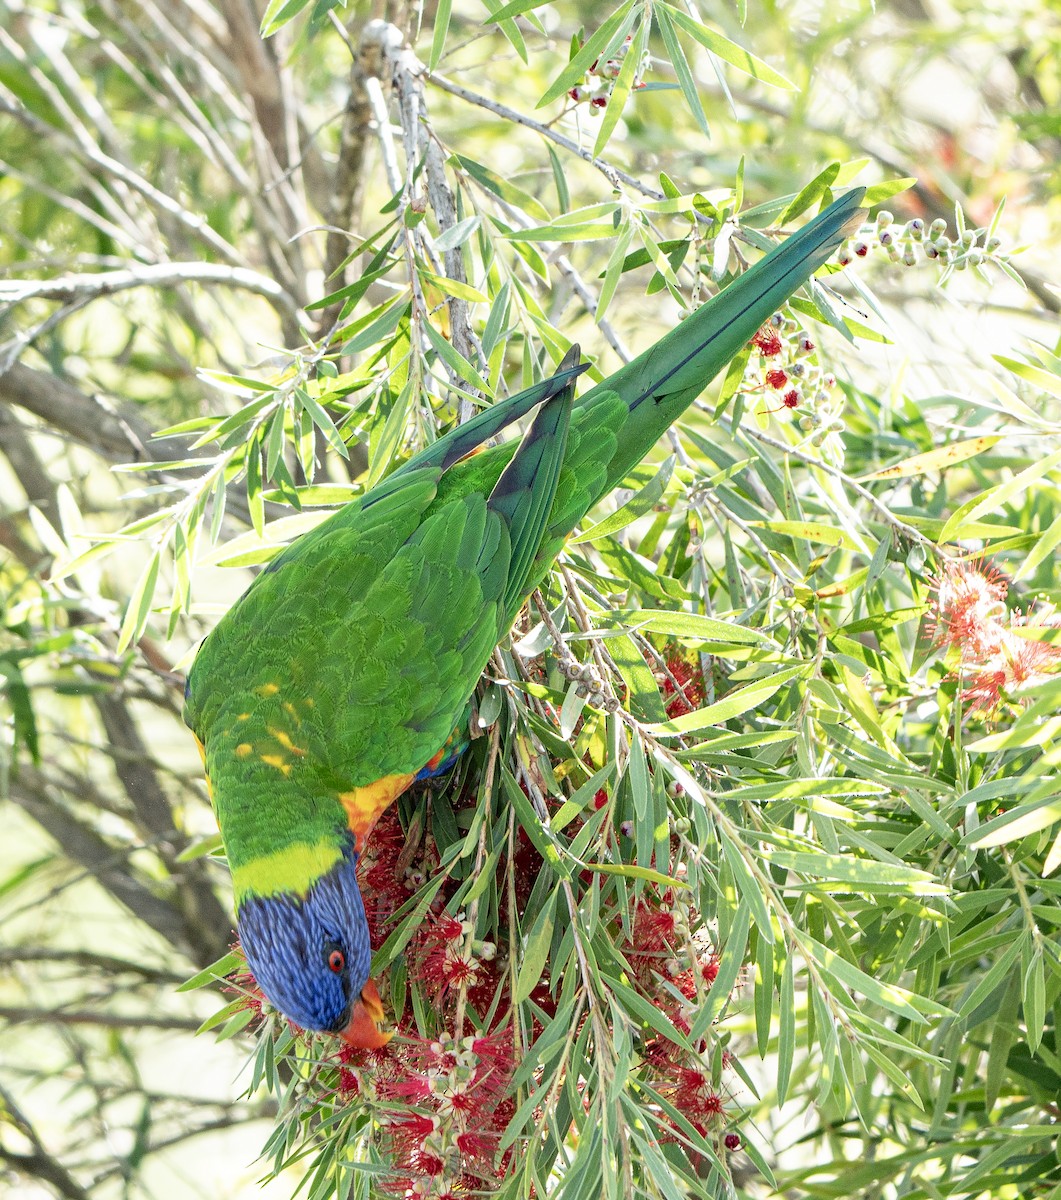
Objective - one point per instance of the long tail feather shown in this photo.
(674, 371)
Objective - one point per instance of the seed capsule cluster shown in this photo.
(910, 243)
(596, 86)
(786, 372)
(588, 683)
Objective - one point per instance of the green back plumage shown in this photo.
(349, 660)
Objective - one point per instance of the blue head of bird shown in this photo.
(310, 956)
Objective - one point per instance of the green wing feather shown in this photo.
(350, 659)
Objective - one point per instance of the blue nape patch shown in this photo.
(289, 942)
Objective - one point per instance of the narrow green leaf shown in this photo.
(453, 287)
(812, 193)
(221, 969)
(728, 51)
(729, 968)
(610, 34)
(536, 950)
(438, 41)
(322, 420)
(631, 871)
(458, 233)
(637, 779)
(845, 975)
(638, 504)
(571, 709)
(1044, 548)
(1047, 381)
(278, 13)
(614, 270)
(739, 701)
(1015, 824)
(863, 873)
(1035, 999)
(749, 889)
(764, 994)
(786, 1041)
(877, 193)
(139, 606)
(451, 357)
(686, 79)
(996, 497)
(621, 89)
(691, 625)
(992, 977)
(812, 531)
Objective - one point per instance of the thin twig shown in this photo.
(157, 275)
(614, 175)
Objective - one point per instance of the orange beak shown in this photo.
(363, 1032)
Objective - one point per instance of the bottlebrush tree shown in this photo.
(746, 884)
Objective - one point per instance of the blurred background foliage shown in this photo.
(301, 253)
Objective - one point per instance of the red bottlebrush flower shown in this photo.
(689, 694)
(709, 969)
(767, 341)
(442, 960)
(686, 984)
(654, 929)
(689, 1090)
(1017, 662)
(968, 612)
(482, 991)
(241, 983)
(476, 1146)
(406, 1138)
(969, 609)
(600, 799)
(776, 378)
(412, 1088)
(382, 889)
(790, 399)
(599, 102)
(495, 1053)
(732, 1141)
(447, 1144)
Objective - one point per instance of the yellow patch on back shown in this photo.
(295, 868)
(286, 742)
(267, 689)
(364, 804)
(278, 761)
(243, 749)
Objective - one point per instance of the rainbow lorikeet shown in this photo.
(341, 674)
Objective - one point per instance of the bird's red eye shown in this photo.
(336, 961)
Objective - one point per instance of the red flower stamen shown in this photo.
(767, 341)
